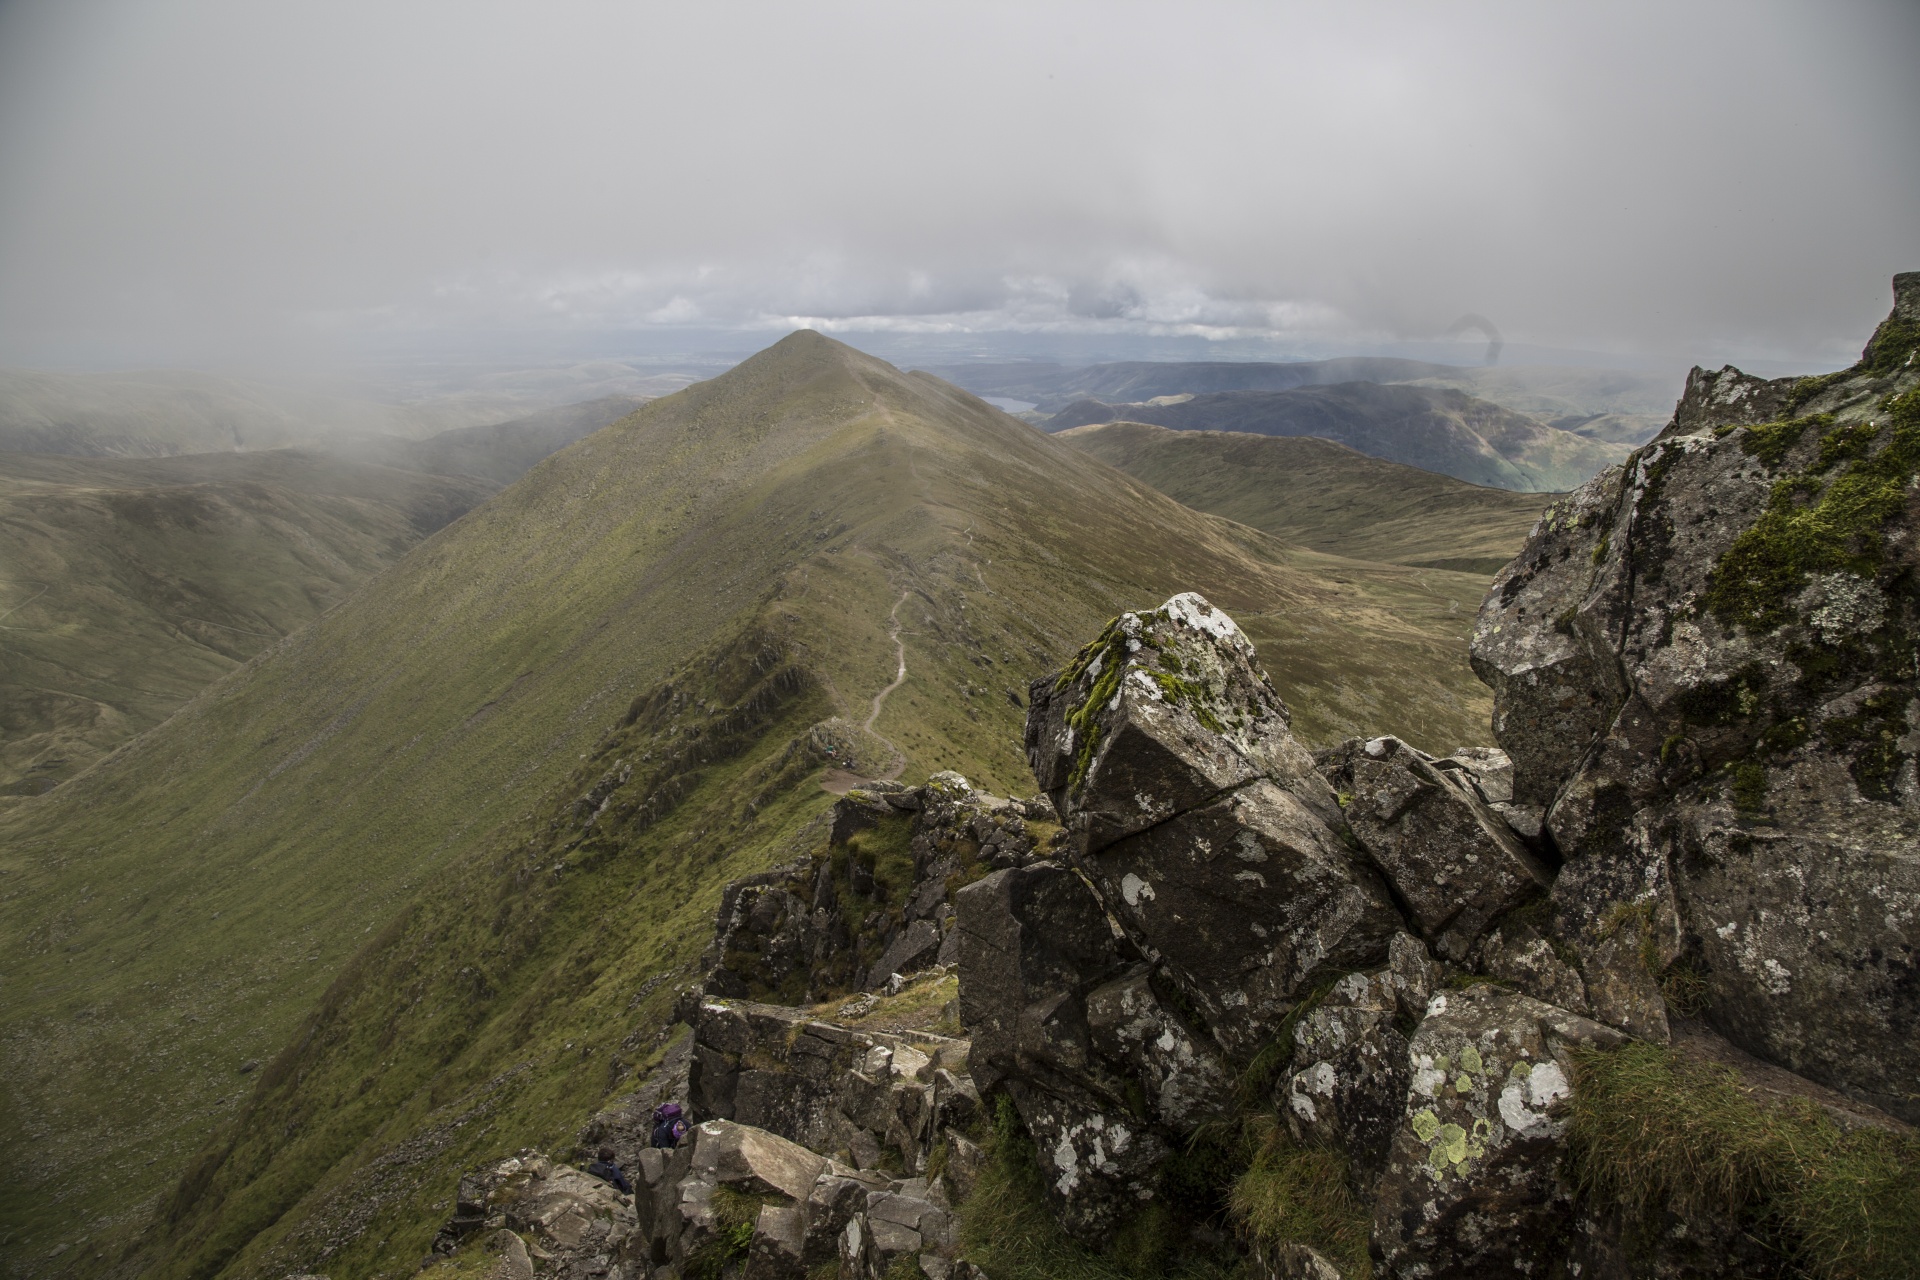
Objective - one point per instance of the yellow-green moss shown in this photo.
(1814, 525)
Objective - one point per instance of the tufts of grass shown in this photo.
(1294, 1194)
(1650, 1131)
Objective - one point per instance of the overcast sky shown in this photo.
(1670, 180)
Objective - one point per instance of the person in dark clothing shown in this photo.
(669, 1125)
(607, 1171)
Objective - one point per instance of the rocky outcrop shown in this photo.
(873, 1099)
(1703, 665)
(1200, 820)
(875, 901)
(527, 1207)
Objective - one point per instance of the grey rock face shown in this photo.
(1065, 1018)
(1348, 1085)
(1554, 689)
(1471, 1186)
(1702, 663)
(794, 934)
(1247, 900)
(1452, 860)
(824, 1086)
(1519, 954)
(1161, 714)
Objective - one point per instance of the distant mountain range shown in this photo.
(1605, 406)
(1052, 387)
(1434, 428)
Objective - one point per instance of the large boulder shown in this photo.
(1201, 821)
(1704, 664)
(1161, 714)
(1248, 900)
(1452, 860)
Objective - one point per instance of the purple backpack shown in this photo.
(669, 1125)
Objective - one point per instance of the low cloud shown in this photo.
(1668, 180)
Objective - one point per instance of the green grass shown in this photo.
(364, 858)
(1323, 495)
(1293, 1194)
(1653, 1130)
(130, 584)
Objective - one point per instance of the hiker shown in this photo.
(669, 1125)
(607, 1171)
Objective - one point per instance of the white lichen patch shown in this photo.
(1190, 609)
(1134, 889)
(1839, 605)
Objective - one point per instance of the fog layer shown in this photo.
(1673, 180)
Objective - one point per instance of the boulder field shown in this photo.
(1477, 992)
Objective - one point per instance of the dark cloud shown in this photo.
(1667, 179)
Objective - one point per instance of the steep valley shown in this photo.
(401, 892)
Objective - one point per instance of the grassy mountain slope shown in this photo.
(1435, 429)
(1322, 495)
(130, 584)
(444, 850)
(501, 452)
(1052, 387)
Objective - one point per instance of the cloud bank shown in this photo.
(1665, 179)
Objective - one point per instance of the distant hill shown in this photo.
(131, 584)
(1434, 428)
(1616, 406)
(433, 859)
(1052, 387)
(501, 452)
(1323, 495)
(167, 412)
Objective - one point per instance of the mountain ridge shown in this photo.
(717, 568)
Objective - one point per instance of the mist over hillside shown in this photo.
(1436, 429)
(180, 411)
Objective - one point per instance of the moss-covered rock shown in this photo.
(1707, 665)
